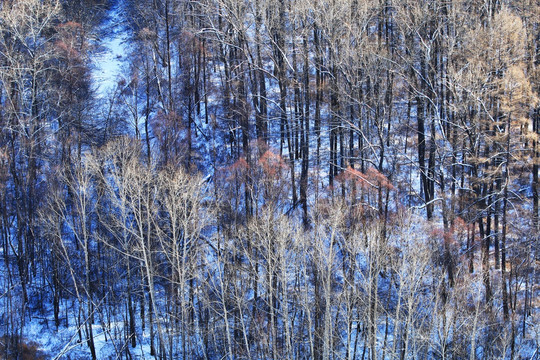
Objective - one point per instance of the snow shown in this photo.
(108, 67)
(111, 57)
(64, 342)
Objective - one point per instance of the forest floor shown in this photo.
(112, 55)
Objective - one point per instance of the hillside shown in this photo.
(283, 179)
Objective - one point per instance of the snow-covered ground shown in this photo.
(64, 342)
(111, 57)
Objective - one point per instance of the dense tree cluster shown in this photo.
(283, 179)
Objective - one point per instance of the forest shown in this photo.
(269, 179)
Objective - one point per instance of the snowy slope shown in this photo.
(112, 49)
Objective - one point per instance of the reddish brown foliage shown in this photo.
(239, 167)
(272, 164)
(377, 178)
(12, 349)
(372, 178)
